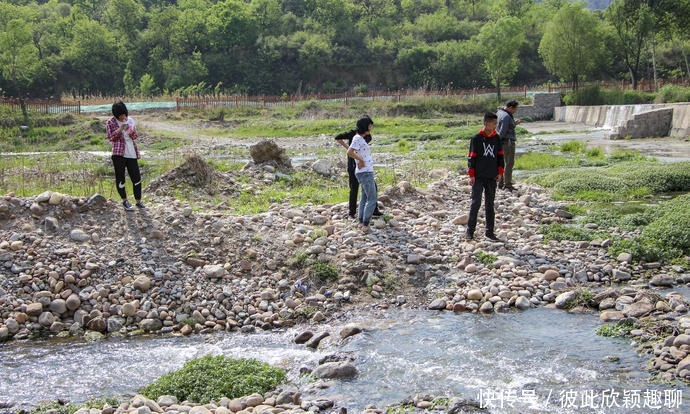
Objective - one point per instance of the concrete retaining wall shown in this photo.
(616, 116)
(656, 123)
(541, 108)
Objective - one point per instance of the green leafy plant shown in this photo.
(214, 377)
(617, 329)
(300, 259)
(485, 258)
(324, 271)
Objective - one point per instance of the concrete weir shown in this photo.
(635, 121)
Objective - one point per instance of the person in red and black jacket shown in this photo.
(485, 168)
(345, 139)
(122, 133)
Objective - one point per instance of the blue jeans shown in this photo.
(367, 203)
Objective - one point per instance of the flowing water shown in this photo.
(541, 360)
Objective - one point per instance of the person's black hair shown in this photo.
(363, 124)
(119, 108)
(490, 116)
(512, 104)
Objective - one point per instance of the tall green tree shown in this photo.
(572, 43)
(633, 23)
(501, 41)
(18, 57)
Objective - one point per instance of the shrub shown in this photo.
(214, 377)
(573, 146)
(595, 153)
(324, 271)
(595, 95)
(673, 93)
(588, 95)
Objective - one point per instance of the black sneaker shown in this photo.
(469, 235)
(492, 236)
(509, 188)
(141, 206)
(127, 205)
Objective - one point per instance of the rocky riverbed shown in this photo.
(84, 267)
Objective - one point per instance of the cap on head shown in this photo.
(512, 104)
(119, 108)
(363, 124)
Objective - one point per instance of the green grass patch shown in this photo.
(299, 189)
(573, 146)
(560, 232)
(531, 161)
(213, 377)
(618, 181)
(617, 329)
(665, 235)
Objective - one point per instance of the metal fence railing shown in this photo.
(54, 107)
(42, 106)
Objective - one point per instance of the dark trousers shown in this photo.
(132, 166)
(509, 157)
(488, 187)
(354, 188)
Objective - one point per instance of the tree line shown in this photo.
(149, 47)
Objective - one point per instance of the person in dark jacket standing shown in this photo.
(485, 169)
(506, 130)
(345, 139)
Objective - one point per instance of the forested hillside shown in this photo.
(147, 47)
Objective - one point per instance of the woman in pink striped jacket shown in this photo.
(122, 133)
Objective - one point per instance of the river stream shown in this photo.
(541, 360)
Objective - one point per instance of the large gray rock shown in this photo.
(638, 309)
(340, 370)
(214, 271)
(167, 400)
(565, 298)
(316, 340)
(350, 330)
(322, 167)
(46, 319)
(73, 302)
(522, 303)
(79, 235)
(58, 306)
(611, 316)
(662, 280)
(142, 283)
(115, 323)
(437, 304)
(150, 324)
